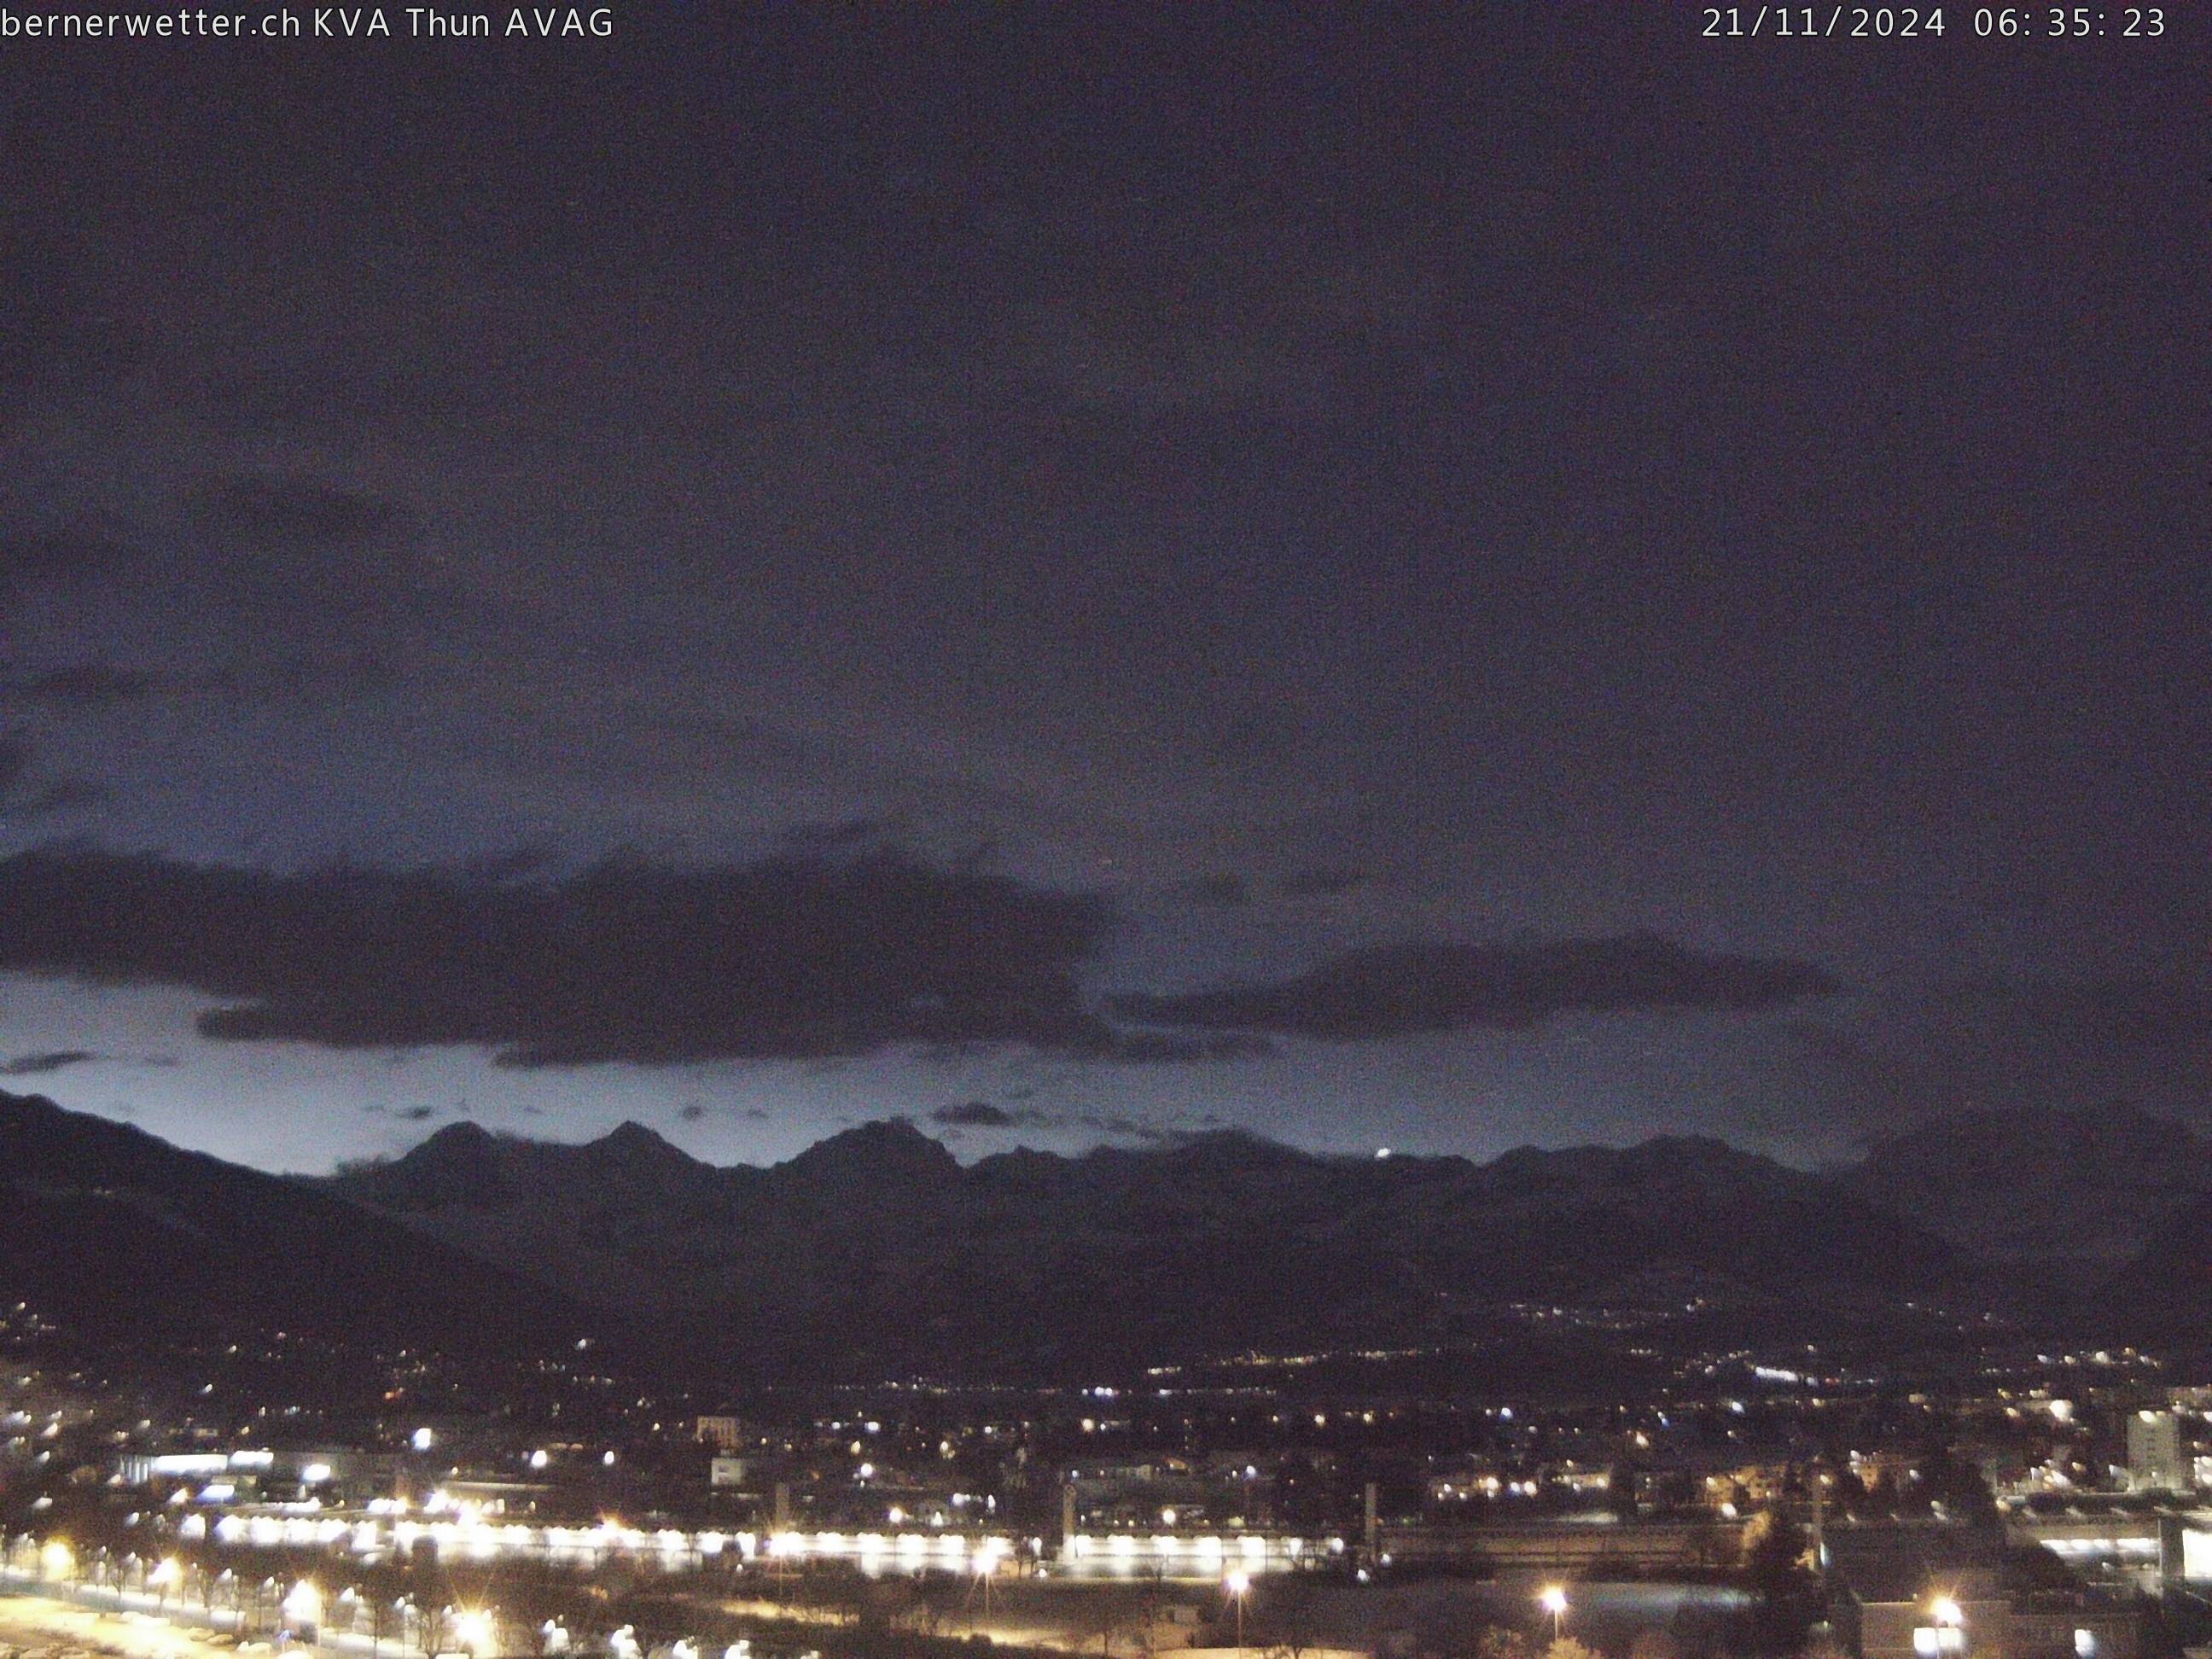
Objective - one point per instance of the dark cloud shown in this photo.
(1123, 1127)
(56, 795)
(623, 962)
(1174, 1048)
(1111, 1046)
(692, 1113)
(2108, 1015)
(305, 676)
(293, 511)
(981, 1115)
(284, 679)
(845, 835)
(1225, 890)
(1391, 990)
(974, 1115)
(81, 684)
(305, 573)
(1933, 1049)
(73, 556)
(25, 794)
(44, 1064)
(511, 866)
(60, 333)
(1320, 882)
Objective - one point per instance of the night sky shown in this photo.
(1440, 577)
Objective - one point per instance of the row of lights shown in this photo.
(474, 1629)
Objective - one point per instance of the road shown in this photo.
(39, 1621)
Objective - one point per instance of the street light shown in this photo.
(1949, 1634)
(473, 1629)
(1238, 1583)
(303, 1609)
(1553, 1600)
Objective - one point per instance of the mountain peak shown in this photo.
(23, 1113)
(463, 1136)
(634, 1148)
(2037, 1180)
(890, 1148)
(631, 1136)
(457, 1165)
(106, 1224)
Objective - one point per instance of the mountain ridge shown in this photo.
(876, 1252)
(126, 1232)
(878, 1233)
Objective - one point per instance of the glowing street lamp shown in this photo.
(984, 1563)
(303, 1609)
(57, 1559)
(1554, 1601)
(474, 1630)
(1238, 1583)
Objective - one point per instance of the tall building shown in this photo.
(2155, 1462)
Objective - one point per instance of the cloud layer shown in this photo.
(45, 1062)
(25, 792)
(1395, 990)
(623, 962)
(790, 958)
